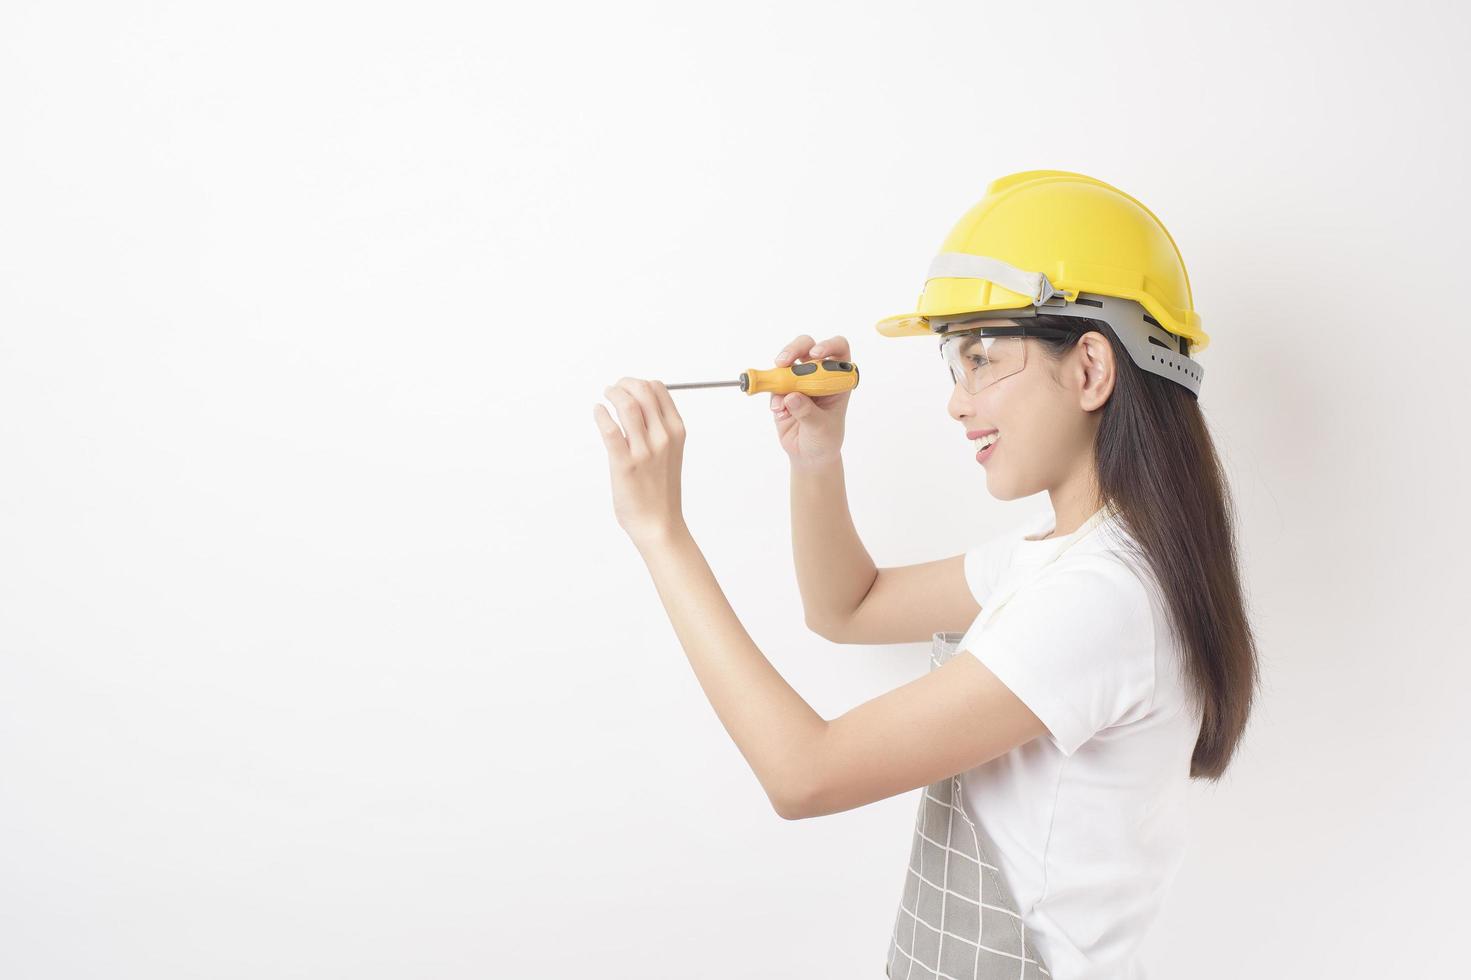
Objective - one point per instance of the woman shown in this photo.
(1108, 660)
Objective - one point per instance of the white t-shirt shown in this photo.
(1088, 821)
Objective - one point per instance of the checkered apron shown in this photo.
(957, 919)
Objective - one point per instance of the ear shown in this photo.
(1096, 366)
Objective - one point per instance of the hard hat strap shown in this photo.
(963, 265)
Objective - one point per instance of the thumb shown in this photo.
(797, 403)
(613, 437)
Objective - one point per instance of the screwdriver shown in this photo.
(811, 378)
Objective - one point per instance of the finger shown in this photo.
(835, 348)
(797, 348)
(673, 422)
(631, 416)
(648, 403)
(612, 435)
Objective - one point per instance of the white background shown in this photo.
(321, 653)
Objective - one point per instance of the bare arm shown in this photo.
(847, 599)
(911, 603)
(834, 570)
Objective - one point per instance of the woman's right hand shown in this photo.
(811, 429)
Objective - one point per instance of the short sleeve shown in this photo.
(1076, 646)
(984, 564)
(989, 560)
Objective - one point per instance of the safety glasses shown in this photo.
(980, 357)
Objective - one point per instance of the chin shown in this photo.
(1003, 488)
(1000, 488)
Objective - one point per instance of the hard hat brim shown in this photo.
(905, 325)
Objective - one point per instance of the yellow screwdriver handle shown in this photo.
(811, 378)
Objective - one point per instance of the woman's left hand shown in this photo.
(645, 464)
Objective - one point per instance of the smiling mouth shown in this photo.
(985, 442)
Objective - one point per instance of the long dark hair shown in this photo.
(1157, 466)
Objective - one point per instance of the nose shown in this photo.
(959, 404)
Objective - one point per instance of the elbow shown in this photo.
(796, 791)
(823, 630)
(802, 796)
(791, 808)
(806, 807)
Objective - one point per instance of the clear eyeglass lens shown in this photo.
(976, 361)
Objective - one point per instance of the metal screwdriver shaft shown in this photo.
(704, 384)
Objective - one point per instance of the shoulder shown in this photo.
(1076, 644)
(986, 562)
(1085, 602)
(1115, 552)
(1104, 582)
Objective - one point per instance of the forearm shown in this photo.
(775, 730)
(834, 570)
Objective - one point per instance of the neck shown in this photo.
(1073, 502)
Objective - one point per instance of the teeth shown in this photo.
(985, 441)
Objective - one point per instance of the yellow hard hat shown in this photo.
(1039, 238)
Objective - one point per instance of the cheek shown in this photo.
(1028, 423)
(1005, 408)
(1044, 430)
